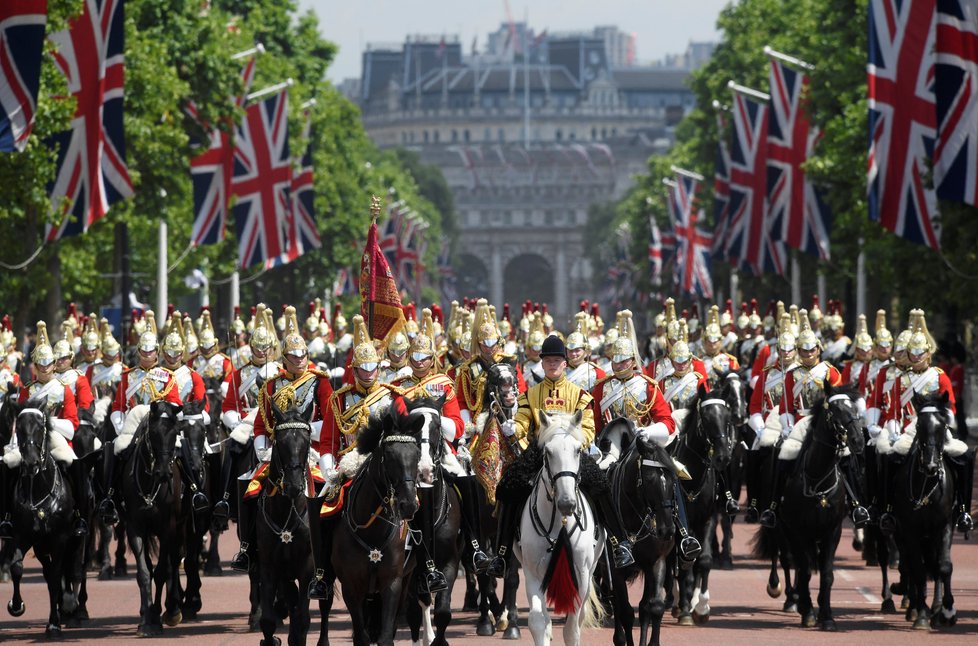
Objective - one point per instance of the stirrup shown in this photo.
(732, 507)
(199, 502)
(318, 589)
(497, 567)
(6, 528)
(768, 519)
(860, 516)
(480, 560)
(689, 548)
(888, 523)
(241, 561)
(965, 523)
(434, 580)
(80, 528)
(107, 512)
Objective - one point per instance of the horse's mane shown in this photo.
(819, 410)
(369, 436)
(560, 422)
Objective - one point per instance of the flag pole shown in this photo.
(257, 49)
(790, 60)
(270, 90)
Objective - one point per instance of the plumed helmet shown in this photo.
(43, 353)
(293, 343)
(624, 348)
(807, 340)
(712, 332)
(206, 335)
(610, 337)
(743, 319)
(72, 318)
(693, 321)
(920, 341)
(399, 343)
(63, 348)
(364, 353)
(173, 340)
(484, 331)
(411, 323)
(680, 352)
(262, 339)
(660, 319)
(312, 320)
(770, 320)
(786, 338)
(815, 314)
(672, 322)
(90, 340)
(424, 342)
(237, 323)
(795, 321)
(755, 315)
(108, 343)
(578, 338)
(192, 343)
(537, 335)
(883, 336)
(149, 340)
(863, 340)
(339, 321)
(138, 322)
(727, 316)
(548, 320)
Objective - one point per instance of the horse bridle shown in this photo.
(840, 428)
(646, 527)
(938, 477)
(841, 435)
(287, 426)
(44, 458)
(150, 500)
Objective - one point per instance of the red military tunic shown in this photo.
(80, 387)
(435, 385)
(855, 373)
(57, 399)
(190, 385)
(139, 386)
(243, 388)
(801, 386)
(637, 398)
(763, 360)
(768, 393)
(901, 391)
(348, 411)
(311, 386)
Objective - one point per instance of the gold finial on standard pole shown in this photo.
(374, 207)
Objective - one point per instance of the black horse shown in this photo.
(43, 511)
(284, 548)
(216, 436)
(923, 497)
(192, 433)
(814, 503)
(152, 492)
(368, 553)
(442, 519)
(702, 447)
(731, 388)
(643, 482)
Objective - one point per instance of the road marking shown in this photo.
(867, 595)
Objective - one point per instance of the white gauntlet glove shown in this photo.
(657, 433)
(756, 422)
(787, 423)
(874, 431)
(448, 429)
(508, 428)
(118, 419)
(231, 419)
(262, 449)
(63, 427)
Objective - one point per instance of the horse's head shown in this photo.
(732, 389)
(31, 426)
(8, 412)
(430, 433)
(842, 417)
(561, 439)
(656, 486)
(215, 392)
(290, 449)
(933, 419)
(191, 427)
(714, 419)
(161, 438)
(501, 385)
(394, 443)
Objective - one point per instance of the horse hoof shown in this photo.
(69, 603)
(53, 631)
(149, 630)
(5, 576)
(726, 563)
(174, 619)
(513, 632)
(121, 569)
(888, 607)
(485, 628)
(699, 619)
(898, 588)
(808, 621)
(274, 641)
(685, 620)
(675, 611)
(904, 603)
(910, 614)
(254, 620)
(790, 606)
(921, 623)
(72, 621)
(14, 610)
(105, 574)
(82, 613)
(213, 569)
(191, 607)
(828, 625)
(775, 591)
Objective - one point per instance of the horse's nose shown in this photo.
(566, 504)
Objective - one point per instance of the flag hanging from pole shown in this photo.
(380, 302)
(692, 273)
(21, 50)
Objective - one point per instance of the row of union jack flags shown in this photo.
(403, 242)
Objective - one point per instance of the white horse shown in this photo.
(559, 543)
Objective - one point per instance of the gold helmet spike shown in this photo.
(399, 343)
(537, 335)
(578, 338)
(672, 323)
(883, 336)
(206, 335)
(679, 352)
(712, 331)
(815, 314)
(312, 320)
(262, 339)
(920, 340)
(423, 344)
(795, 322)
(293, 343)
(63, 347)
(174, 342)
(109, 345)
(624, 349)
(806, 336)
(191, 342)
(786, 338)
(149, 340)
(43, 353)
(90, 340)
(863, 340)
(237, 323)
(410, 327)
(484, 331)
(364, 353)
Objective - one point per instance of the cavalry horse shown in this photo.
(42, 513)
(732, 389)
(368, 554)
(814, 502)
(216, 436)
(284, 549)
(152, 491)
(643, 482)
(560, 539)
(192, 435)
(445, 520)
(702, 447)
(923, 497)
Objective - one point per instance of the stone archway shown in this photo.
(473, 275)
(528, 276)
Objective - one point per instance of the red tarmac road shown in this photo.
(742, 612)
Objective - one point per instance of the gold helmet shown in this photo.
(237, 323)
(293, 343)
(772, 316)
(138, 322)
(312, 320)
(423, 345)
(660, 320)
(410, 324)
(863, 340)
(884, 337)
(191, 343)
(712, 331)
(921, 341)
(72, 318)
(537, 335)
(207, 338)
(109, 345)
(399, 343)
(43, 353)
(364, 353)
(578, 338)
(680, 352)
(262, 339)
(148, 340)
(672, 323)
(807, 340)
(743, 319)
(548, 321)
(610, 337)
(484, 330)
(339, 321)
(727, 316)
(624, 347)
(815, 314)
(90, 340)
(63, 347)
(173, 340)
(786, 337)
(795, 321)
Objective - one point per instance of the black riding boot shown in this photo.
(872, 483)
(754, 465)
(106, 508)
(434, 580)
(222, 508)
(731, 506)
(964, 467)
(246, 528)
(7, 481)
(320, 587)
(860, 515)
(888, 522)
(507, 518)
(689, 547)
(76, 474)
(468, 488)
(621, 547)
(769, 517)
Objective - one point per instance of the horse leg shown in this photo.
(53, 579)
(325, 606)
(354, 600)
(653, 604)
(390, 601)
(471, 600)
(212, 564)
(121, 568)
(942, 609)
(682, 609)
(254, 598)
(539, 618)
(803, 576)
(268, 587)
(572, 623)
(790, 591)
(443, 604)
(826, 577)
(299, 618)
(192, 602)
(413, 611)
(147, 627)
(725, 560)
(485, 625)
(16, 605)
(510, 609)
(624, 612)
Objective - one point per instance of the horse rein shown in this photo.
(925, 499)
(287, 426)
(841, 434)
(34, 506)
(141, 439)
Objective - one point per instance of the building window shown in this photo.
(488, 135)
(454, 136)
(594, 133)
(559, 134)
(466, 135)
(501, 135)
(436, 136)
(426, 136)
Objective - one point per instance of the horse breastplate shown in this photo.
(53, 393)
(185, 382)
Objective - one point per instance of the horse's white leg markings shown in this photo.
(429, 629)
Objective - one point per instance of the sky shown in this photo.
(660, 26)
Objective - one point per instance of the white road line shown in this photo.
(867, 595)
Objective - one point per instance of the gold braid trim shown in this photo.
(640, 412)
(479, 385)
(351, 421)
(284, 398)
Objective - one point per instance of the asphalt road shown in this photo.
(742, 611)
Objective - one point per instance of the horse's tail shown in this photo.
(560, 582)
(764, 545)
(594, 611)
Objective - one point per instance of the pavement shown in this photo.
(742, 612)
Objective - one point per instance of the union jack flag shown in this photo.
(211, 173)
(262, 180)
(902, 118)
(21, 48)
(750, 243)
(721, 185)
(692, 274)
(956, 152)
(799, 215)
(345, 283)
(91, 171)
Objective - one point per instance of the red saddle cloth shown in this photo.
(334, 506)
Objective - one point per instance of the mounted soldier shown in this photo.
(394, 365)
(533, 366)
(75, 379)
(212, 363)
(683, 374)
(715, 360)
(580, 369)
(836, 342)
(88, 350)
(105, 375)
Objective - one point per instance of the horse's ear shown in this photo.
(544, 420)
(578, 416)
(701, 392)
(195, 407)
(828, 389)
